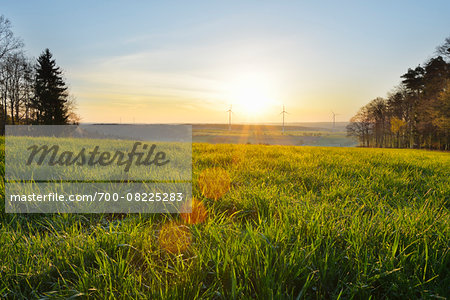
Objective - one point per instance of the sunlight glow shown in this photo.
(252, 94)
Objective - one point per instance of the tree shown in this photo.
(16, 87)
(377, 114)
(396, 128)
(415, 114)
(31, 95)
(51, 95)
(9, 45)
(444, 49)
(441, 118)
(413, 82)
(437, 72)
(396, 103)
(8, 42)
(361, 126)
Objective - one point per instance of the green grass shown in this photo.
(297, 222)
(273, 136)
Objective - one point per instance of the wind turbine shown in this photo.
(334, 119)
(229, 118)
(283, 113)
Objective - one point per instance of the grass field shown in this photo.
(269, 222)
(272, 135)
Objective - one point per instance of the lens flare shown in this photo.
(174, 238)
(198, 214)
(214, 183)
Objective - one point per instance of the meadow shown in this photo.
(280, 222)
(314, 134)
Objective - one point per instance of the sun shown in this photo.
(252, 94)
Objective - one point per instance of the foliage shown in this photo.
(420, 102)
(50, 96)
(30, 92)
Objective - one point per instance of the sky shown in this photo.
(188, 61)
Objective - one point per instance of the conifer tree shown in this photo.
(50, 99)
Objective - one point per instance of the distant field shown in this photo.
(294, 135)
(269, 222)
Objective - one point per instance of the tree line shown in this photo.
(416, 114)
(31, 91)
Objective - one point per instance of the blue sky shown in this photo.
(187, 61)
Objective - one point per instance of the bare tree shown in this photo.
(71, 105)
(361, 126)
(8, 42)
(377, 113)
(444, 49)
(8, 45)
(16, 86)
